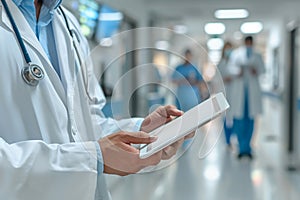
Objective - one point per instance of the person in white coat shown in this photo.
(55, 143)
(248, 65)
(224, 69)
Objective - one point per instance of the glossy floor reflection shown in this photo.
(220, 175)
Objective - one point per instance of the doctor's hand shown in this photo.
(121, 158)
(171, 150)
(160, 116)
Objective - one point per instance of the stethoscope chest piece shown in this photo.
(32, 74)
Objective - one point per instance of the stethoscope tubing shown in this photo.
(33, 73)
(16, 30)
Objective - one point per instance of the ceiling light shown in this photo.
(162, 45)
(215, 44)
(106, 42)
(251, 27)
(231, 14)
(214, 28)
(116, 16)
(215, 57)
(180, 29)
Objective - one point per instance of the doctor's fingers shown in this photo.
(159, 117)
(171, 150)
(189, 136)
(137, 138)
(122, 141)
(137, 164)
(150, 161)
(171, 110)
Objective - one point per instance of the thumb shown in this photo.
(139, 138)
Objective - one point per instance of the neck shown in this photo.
(38, 6)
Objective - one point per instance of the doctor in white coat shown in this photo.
(55, 142)
(248, 66)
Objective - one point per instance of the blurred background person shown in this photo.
(227, 78)
(155, 97)
(188, 81)
(246, 89)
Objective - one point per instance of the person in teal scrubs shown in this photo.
(188, 80)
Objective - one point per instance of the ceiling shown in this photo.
(196, 13)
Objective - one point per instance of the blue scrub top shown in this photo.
(188, 95)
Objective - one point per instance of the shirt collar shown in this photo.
(47, 11)
(17, 2)
(50, 4)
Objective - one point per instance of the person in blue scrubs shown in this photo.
(188, 80)
(247, 99)
(244, 128)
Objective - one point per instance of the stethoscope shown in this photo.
(33, 73)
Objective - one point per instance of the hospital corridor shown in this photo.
(149, 100)
(220, 175)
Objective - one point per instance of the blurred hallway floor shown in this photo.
(220, 176)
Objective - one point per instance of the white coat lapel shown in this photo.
(29, 37)
(26, 32)
(65, 51)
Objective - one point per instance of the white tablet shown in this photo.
(185, 124)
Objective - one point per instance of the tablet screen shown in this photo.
(185, 124)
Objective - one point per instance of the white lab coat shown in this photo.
(44, 154)
(238, 61)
